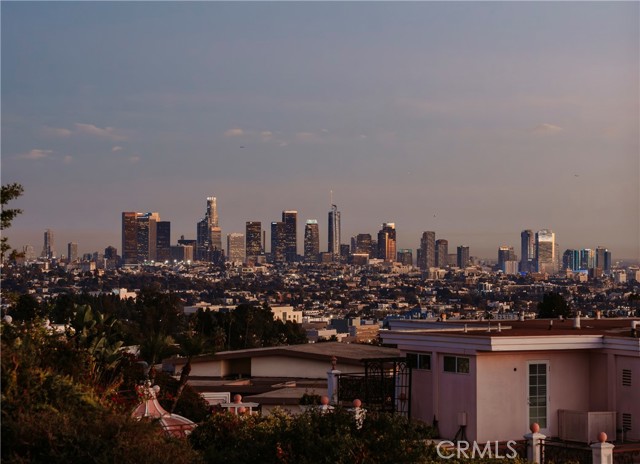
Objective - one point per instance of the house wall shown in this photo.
(600, 388)
(503, 409)
(282, 366)
(206, 369)
(456, 394)
(628, 397)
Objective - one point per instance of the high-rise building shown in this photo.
(527, 251)
(442, 253)
(463, 256)
(405, 256)
(111, 253)
(311, 241)
(505, 253)
(571, 260)
(601, 258)
(387, 242)
(235, 248)
(587, 258)
(163, 241)
(146, 235)
(427, 250)
(72, 251)
(129, 237)
(290, 220)
(607, 261)
(363, 245)
(278, 242)
(253, 241)
(334, 233)
(546, 251)
(209, 234)
(48, 250)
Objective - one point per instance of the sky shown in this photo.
(472, 119)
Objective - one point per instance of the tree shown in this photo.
(9, 192)
(553, 305)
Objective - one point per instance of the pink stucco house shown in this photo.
(490, 382)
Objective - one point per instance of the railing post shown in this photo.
(602, 451)
(332, 381)
(535, 441)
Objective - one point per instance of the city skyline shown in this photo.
(476, 121)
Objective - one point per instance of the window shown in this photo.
(456, 364)
(419, 361)
(626, 377)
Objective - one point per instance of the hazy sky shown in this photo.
(475, 120)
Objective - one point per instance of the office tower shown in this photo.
(345, 249)
(311, 241)
(505, 253)
(111, 253)
(363, 244)
(129, 237)
(601, 253)
(278, 242)
(427, 250)
(387, 242)
(405, 257)
(146, 235)
(607, 261)
(587, 258)
(463, 256)
(290, 220)
(209, 234)
(442, 253)
(545, 251)
(163, 241)
(527, 251)
(334, 233)
(253, 240)
(571, 260)
(235, 248)
(29, 252)
(212, 212)
(48, 250)
(72, 251)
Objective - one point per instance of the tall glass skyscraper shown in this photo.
(527, 251)
(334, 233)
(427, 250)
(290, 220)
(546, 251)
(311, 241)
(253, 240)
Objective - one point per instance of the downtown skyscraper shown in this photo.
(427, 258)
(546, 261)
(254, 246)
(387, 242)
(334, 233)
(290, 220)
(527, 251)
(48, 250)
(209, 234)
(311, 241)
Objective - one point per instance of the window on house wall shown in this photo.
(626, 377)
(419, 361)
(457, 364)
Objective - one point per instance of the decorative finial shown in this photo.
(535, 427)
(602, 437)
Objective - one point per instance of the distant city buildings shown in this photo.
(72, 251)
(334, 233)
(254, 247)
(427, 255)
(311, 241)
(278, 242)
(463, 256)
(387, 242)
(235, 248)
(48, 250)
(546, 251)
(527, 251)
(290, 221)
(442, 253)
